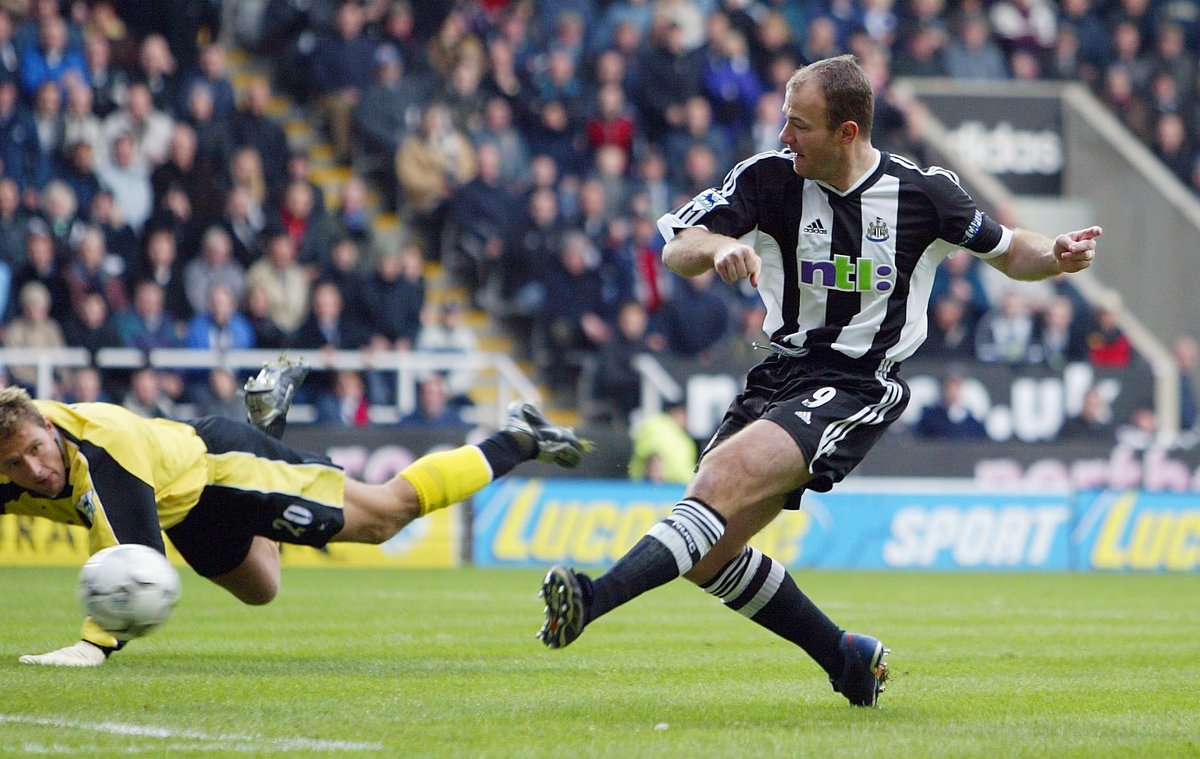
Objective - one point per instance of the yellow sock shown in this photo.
(447, 477)
(94, 633)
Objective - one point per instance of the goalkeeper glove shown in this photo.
(78, 654)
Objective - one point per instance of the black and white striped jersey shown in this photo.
(852, 271)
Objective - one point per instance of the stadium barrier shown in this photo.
(434, 541)
(497, 369)
(1124, 510)
(865, 525)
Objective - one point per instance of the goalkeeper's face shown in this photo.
(31, 458)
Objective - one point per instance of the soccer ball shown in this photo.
(128, 589)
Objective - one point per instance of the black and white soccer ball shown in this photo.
(128, 589)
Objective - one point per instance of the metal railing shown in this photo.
(409, 367)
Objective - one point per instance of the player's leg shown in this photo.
(762, 590)
(752, 584)
(736, 469)
(269, 394)
(759, 588)
(374, 513)
(291, 496)
(217, 539)
(256, 580)
(749, 471)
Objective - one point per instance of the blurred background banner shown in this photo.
(869, 523)
(432, 542)
(25, 540)
(1138, 531)
(1016, 138)
(892, 525)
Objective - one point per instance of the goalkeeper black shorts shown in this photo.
(256, 486)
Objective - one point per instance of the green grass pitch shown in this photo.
(444, 664)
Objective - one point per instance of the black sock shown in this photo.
(504, 451)
(669, 549)
(757, 587)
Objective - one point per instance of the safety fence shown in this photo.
(867, 524)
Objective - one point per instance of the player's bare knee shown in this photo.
(402, 508)
(714, 486)
(253, 591)
(260, 594)
(374, 513)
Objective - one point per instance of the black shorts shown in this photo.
(256, 486)
(833, 407)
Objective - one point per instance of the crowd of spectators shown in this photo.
(527, 146)
(144, 204)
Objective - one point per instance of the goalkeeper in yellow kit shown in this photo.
(225, 492)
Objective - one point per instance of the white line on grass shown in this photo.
(227, 741)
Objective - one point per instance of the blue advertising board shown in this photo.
(1134, 530)
(531, 522)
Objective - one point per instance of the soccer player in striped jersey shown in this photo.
(224, 492)
(842, 241)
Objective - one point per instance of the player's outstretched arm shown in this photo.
(78, 654)
(1032, 256)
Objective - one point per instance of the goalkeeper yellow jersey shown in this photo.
(119, 466)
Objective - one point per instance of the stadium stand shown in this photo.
(493, 155)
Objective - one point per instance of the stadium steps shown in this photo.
(304, 133)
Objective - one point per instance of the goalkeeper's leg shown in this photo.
(374, 513)
(256, 580)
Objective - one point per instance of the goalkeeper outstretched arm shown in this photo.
(81, 653)
(91, 650)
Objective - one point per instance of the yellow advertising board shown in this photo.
(433, 541)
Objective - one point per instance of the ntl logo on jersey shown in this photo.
(848, 275)
(841, 272)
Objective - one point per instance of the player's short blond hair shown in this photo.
(17, 410)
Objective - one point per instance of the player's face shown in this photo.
(31, 459)
(807, 134)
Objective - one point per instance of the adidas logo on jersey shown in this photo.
(805, 416)
(815, 228)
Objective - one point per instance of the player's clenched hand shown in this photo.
(1075, 250)
(737, 261)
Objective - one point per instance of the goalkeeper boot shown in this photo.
(269, 395)
(865, 672)
(555, 444)
(565, 607)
